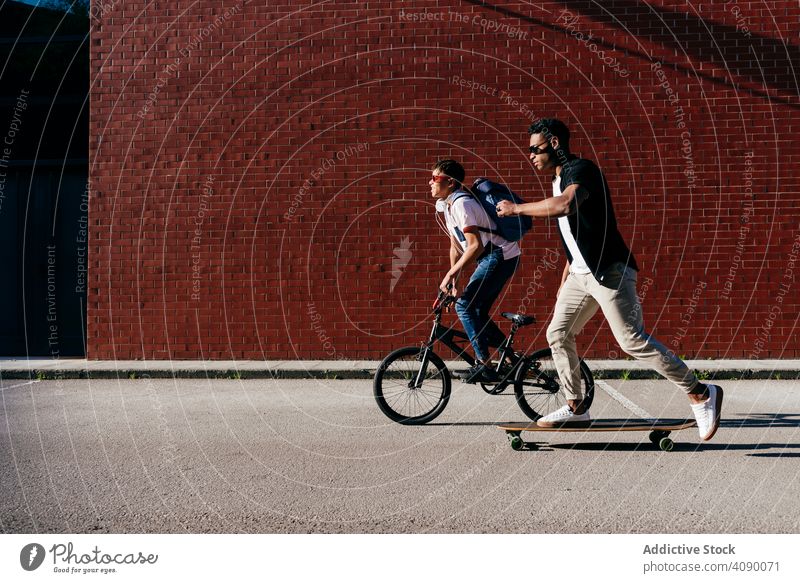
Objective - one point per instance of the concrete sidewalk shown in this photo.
(43, 368)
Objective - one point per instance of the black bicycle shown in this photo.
(412, 384)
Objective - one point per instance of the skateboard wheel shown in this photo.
(657, 436)
(516, 443)
(666, 444)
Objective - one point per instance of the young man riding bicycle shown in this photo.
(496, 260)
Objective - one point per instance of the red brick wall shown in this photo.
(259, 176)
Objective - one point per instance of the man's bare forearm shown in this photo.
(454, 254)
(553, 207)
(468, 257)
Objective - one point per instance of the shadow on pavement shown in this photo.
(687, 447)
(763, 420)
(465, 424)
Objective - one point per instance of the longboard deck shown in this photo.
(609, 425)
(659, 429)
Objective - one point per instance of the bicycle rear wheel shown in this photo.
(538, 388)
(403, 394)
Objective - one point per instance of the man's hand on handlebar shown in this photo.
(443, 301)
(445, 298)
(448, 285)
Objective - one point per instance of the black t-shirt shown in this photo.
(594, 225)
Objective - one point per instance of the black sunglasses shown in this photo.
(538, 149)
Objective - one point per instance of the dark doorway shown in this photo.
(44, 129)
(44, 228)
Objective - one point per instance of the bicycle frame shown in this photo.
(448, 335)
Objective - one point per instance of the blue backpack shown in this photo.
(490, 193)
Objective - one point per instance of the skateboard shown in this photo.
(659, 430)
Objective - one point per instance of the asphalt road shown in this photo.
(318, 456)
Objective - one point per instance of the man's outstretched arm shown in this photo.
(554, 207)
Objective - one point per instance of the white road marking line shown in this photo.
(19, 385)
(624, 401)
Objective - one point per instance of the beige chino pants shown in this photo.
(578, 301)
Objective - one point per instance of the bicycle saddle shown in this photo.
(519, 319)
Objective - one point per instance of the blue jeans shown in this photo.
(475, 303)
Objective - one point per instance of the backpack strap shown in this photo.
(461, 194)
(467, 193)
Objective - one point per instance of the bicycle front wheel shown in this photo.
(412, 387)
(538, 388)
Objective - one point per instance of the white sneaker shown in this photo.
(564, 417)
(707, 413)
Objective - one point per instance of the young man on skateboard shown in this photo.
(600, 273)
(495, 261)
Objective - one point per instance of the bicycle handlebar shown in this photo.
(443, 300)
